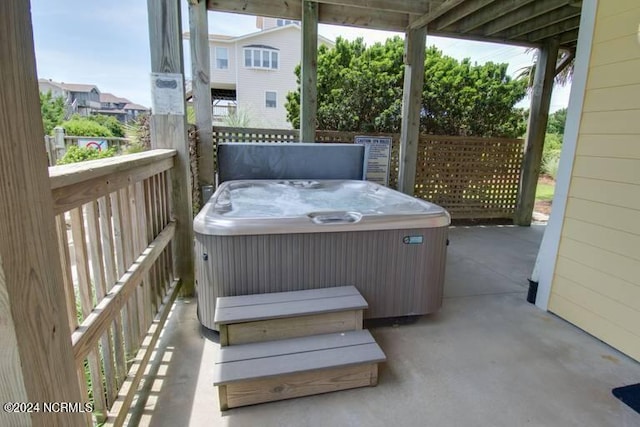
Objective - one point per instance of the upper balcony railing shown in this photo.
(220, 112)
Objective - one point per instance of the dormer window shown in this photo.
(259, 56)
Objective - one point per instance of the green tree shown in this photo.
(360, 89)
(566, 59)
(52, 110)
(461, 98)
(556, 122)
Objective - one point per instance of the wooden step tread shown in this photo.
(248, 308)
(268, 359)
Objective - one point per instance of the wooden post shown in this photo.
(58, 137)
(309, 72)
(414, 53)
(170, 131)
(36, 363)
(540, 101)
(201, 89)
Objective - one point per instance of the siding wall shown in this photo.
(252, 83)
(223, 79)
(596, 284)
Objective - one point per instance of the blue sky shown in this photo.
(106, 43)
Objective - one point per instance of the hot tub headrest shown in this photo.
(289, 161)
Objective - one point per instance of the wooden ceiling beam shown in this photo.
(414, 7)
(435, 14)
(522, 15)
(362, 18)
(481, 38)
(565, 62)
(462, 11)
(554, 30)
(542, 21)
(453, 16)
(489, 13)
(327, 13)
(288, 9)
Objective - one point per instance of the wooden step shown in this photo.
(280, 315)
(261, 372)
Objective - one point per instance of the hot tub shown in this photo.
(259, 236)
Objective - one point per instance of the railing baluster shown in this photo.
(65, 259)
(96, 241)
(87, 304)
(148, 200)
(106, 228)
(166, 204)
(144, 302)
(131, 319)
(162, 193)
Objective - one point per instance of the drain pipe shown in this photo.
(533, 281)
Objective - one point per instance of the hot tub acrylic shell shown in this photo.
(392, 247)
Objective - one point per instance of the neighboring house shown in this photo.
(86, 99)
(590, 255)
(80, 98)
(252, 74)
(121, 108)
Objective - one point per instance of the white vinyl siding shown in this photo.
(271, 99)
(222, 58)
(222, 54)
(251, 82)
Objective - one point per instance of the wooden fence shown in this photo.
(471, 177)
(115, 232)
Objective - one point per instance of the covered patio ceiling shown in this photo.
(518, 22)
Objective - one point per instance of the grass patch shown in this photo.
(544, 191)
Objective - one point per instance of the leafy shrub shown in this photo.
(84, 126)
(550, 164)
(553, 142)
(110, 123)
(134, 147)
(77, 154)
(551, 154)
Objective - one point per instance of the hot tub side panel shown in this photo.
(399, 272)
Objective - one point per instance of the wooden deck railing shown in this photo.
(115, 231)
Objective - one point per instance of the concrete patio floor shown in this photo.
(487, 359)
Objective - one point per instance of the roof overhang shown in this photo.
(518, 22)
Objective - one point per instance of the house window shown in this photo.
(283, 22)
(261, 58)
(271, 99)
(222, 58)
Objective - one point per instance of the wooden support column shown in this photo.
(309, 72)
(201, 89)
(540, 101)
(414, 53)
(36, 358)
(170, 131)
